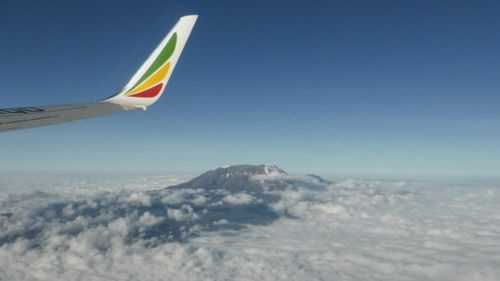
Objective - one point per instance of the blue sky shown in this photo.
(340, 87)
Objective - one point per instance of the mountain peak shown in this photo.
(250, 170)
(233, 177)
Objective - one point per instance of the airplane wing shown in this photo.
(144, 88)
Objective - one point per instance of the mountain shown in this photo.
(251, 178)
(227, 198)
(234, 178)
(320, 179)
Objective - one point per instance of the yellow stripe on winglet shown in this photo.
(153, 80)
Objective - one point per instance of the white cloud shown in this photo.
(184, 213)
(352, 230)
(176, 214)
(139, 198)
(147, 219)
(174, 197)
(200, 200)
(239, 198)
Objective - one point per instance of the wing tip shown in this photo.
(192, 16)
(156, 79)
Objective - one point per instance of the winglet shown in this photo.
(148, 83)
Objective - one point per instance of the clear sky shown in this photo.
(362, 87)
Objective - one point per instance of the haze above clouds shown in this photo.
(250, 225)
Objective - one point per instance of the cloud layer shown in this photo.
(276, 227)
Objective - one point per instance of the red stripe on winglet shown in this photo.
(149, 93)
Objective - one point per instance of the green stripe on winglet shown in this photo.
(165, 54)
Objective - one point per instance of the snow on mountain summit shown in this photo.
(250, 178)
(234, 177)
(250, 170)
